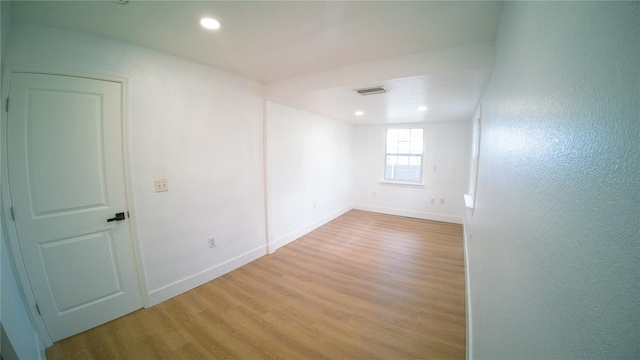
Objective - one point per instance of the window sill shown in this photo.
(402, 183)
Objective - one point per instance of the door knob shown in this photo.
(119, 217)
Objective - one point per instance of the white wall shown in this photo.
(309, 164)
(15, 320)
(445, 171)
(199, 127)
(554, 242)
(13, 313)
(5, 20)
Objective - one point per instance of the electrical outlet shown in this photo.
(162, 185)
(314, 206)
(212, 242)
(373, 194)
(433, 201)
(441, 201)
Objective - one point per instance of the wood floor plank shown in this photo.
(365, 285)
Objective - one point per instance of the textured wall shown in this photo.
(199, 127)
(446, 168)
(309, 164)
(14, 317)
(554, 241)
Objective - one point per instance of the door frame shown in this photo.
(9, 227)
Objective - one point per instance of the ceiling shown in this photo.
(284, 44)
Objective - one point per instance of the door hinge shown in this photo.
(13, 215)
(7, 105)
(38, 309)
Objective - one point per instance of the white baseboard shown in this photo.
(468, 294)
(284, 240)
(409, 213)
(174, 289)
(42, 355)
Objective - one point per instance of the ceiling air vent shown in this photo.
(371, 90)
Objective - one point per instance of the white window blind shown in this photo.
(403, 155)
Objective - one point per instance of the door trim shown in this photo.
(10, 232)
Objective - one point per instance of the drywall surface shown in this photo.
(6, 23)
(439, 61)
(445, 173)
(198, 127)
(554, 242)
(450, 79)
(309, 171)
(15, 320)
(13, 313)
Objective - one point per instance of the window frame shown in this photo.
(383, 179)
(470, 196)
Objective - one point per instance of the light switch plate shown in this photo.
(162, 185)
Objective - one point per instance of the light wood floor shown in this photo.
(364, 286)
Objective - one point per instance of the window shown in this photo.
(403, 155)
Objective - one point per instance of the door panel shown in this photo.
(72, 125)
(67, 258)
(66, 174)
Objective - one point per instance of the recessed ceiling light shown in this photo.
(422, 108)
(209, 23)
(359, 113)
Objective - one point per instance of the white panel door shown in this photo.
(66, 175)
